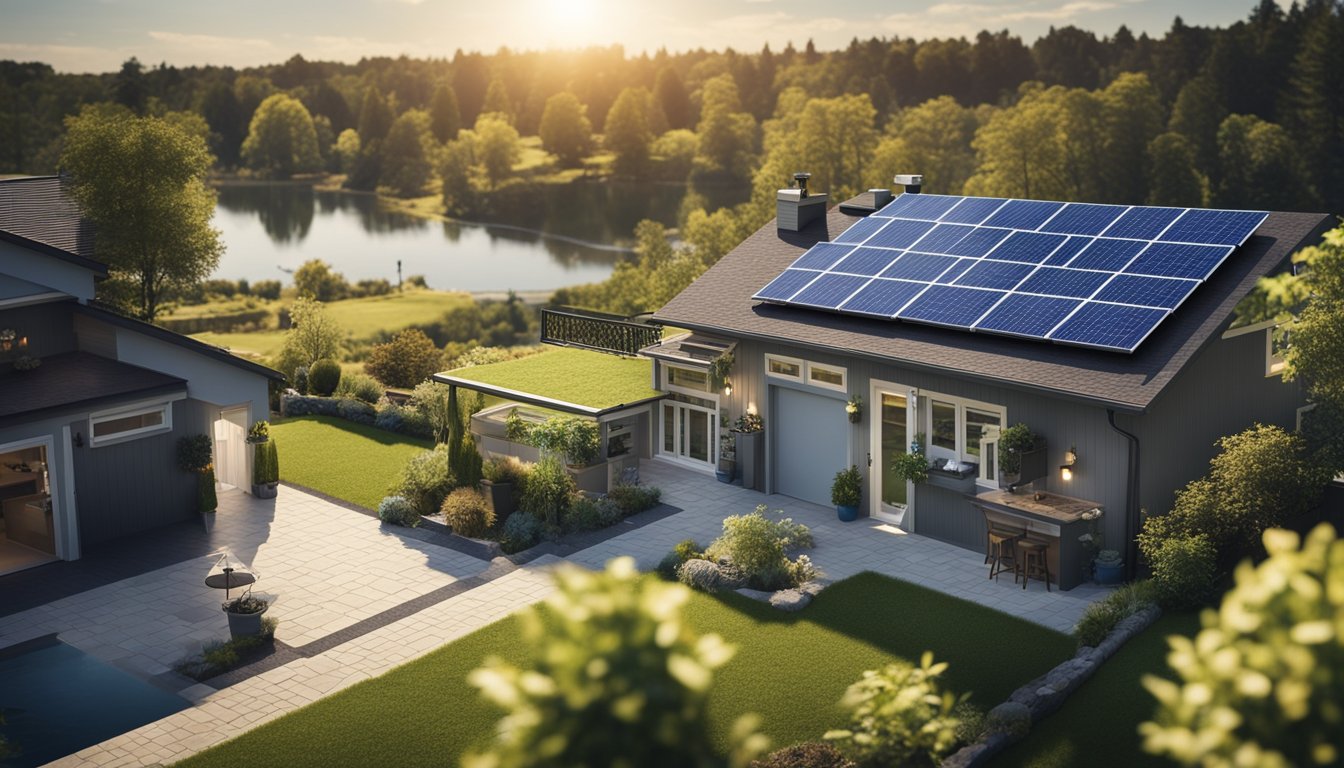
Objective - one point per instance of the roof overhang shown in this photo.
(530, 398)
(568, 380)
(695, 350)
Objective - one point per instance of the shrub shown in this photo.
(898, 716)
(1101, 617)
(431, 399)
(703, 575)
(686, 549)
(397, 509)
(360, 386)
(758, 545)
(809, 754)
(521, 531)
(587, 514)
(633, 499)
(1183, 571)
(505, 469)
(1261, 683)
(354, 410)
(194, 453)
(1013, 442)
(323, 377)
(272, 462)
(301, 379)
(426, 480)
(405, 361)
(465, 511)
(463, 459)
(548, 491)
(847, 490)
(205, 490)
(260, 430)
(407, 421)
(618, 679)
(577, 438)
(311, 406)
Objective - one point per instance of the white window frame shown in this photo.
(843, 386)
(1274, 362)
(668, 386)
(960, 404)
(162, 406)
(802, 368)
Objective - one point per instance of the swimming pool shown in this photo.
(57, 700)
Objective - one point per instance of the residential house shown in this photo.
(88, 437)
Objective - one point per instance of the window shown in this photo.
(962, 435)
(943, 425)
(121, 425)
(826, 376)
(687, 378)
(784, 367)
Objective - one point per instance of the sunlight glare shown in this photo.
(572, 22)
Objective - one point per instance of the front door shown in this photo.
(891, 437)
(689, 431)
(231, 448)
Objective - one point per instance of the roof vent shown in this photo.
(911, 181)
(795, 208)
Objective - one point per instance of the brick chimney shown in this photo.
(795, 208)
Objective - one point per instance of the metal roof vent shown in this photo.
(911, 181)
(795, 208)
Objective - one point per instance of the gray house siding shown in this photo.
(47, 271)
(125, 488)
(213, 381)
(47, 327)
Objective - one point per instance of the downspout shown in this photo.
(1131, 499)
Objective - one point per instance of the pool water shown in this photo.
(57, 700)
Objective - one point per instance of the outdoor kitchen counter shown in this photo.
(1054, 518)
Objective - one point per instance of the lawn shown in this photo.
(789, 668)
(1098, 725)
(578, 376)
(342, 459)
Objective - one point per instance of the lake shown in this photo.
(539, 238)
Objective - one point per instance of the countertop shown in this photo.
(1063, 509)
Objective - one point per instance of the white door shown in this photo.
(231, 448)
(892, 431)
(689, 432)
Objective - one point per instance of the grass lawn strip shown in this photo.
(790, 668)
(576, 376)
(1098, 725)
(352, 462)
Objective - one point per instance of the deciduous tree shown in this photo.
(406, 153)
(282, 140)
(627, 131)
(565, 129)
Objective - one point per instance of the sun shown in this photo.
(571, 20)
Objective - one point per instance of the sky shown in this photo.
(97, 35)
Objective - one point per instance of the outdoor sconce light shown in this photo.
(1066, 469)
(727, 387)
(79, 440)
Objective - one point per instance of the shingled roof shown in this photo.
(38, 212)
(720, 302)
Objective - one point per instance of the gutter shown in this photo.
(1131, 498)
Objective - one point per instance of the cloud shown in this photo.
(210, 42)
(953, 19)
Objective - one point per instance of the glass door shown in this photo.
(689, 432)
(891, 438)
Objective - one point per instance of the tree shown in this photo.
(1259, 166)
(406, 153)
(727, 134)
(1261, 684)
(670, 93)
(831, 138)
(497, 100)
(141, 181)
(619, 678)
(627, 131)
(129, 89)
(405, 361)
(497, 146)
(457, 163)
(315, 280)
(565, 130)
(1316, 354)
(375, 117)
(1132, 117)
(282, 140)
(1174, 175)
(224, 115)
(347, 149)
(312, 336)
(933, 139)
(444, 118)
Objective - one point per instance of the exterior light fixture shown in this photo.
(1066, 469)
(727, 387)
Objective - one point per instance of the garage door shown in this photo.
(810, 444)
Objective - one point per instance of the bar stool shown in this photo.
(1002, 549)
(1032, 562)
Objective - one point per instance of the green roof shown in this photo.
(593, 381)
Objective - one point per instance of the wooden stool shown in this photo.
(1032, 562)
(1002, 548)
(992, 527)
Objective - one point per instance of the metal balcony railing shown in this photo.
(598, 331)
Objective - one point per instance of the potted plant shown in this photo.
(207, 502)
(719, 369)
(194, 455)
(854, 408)
(847, 493)
(912, 465)
(265, 470)
(260, 432)
(245, 614)
(1015, 443)
(501, 482)
(749, 454)
(727, 459)
(1110, 569)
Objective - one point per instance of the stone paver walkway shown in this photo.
(336, 575)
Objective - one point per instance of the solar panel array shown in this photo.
(1101, 276)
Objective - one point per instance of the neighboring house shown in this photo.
(88, 438)
(1140, 424)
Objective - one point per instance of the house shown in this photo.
(1125, 421)
(88, 437)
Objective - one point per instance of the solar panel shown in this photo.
(1101, 276)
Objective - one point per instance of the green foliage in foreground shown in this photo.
(349, 461)
(791, 669)
(899, 716)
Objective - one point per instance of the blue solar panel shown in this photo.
(1001, 275)
(979, 242)
(829, 290)
(1214, 227)
(1163, 292)
(1057, 281)
(956, 270)
(861, 230)
(866, 261)
(821, 256)
(941, 238)
(789, 282)
(1029, 247)
(1065, 253)
(973, 210)
(1023, 214)
(1032, 316)
(1109, 326)
(928, 207)
(900, 233)
(950, 305)
(1196, 262)
(924, 267)
(1143, 223)
(882, 297)
(1107, 254)
(1083, 219)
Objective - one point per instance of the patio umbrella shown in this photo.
(229, 572)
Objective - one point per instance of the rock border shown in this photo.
(1011, 721)
(787, 600)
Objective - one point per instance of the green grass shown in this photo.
(791, 669)
(252, 344)
(1098, 725)
(577, 376)
(349, 461)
